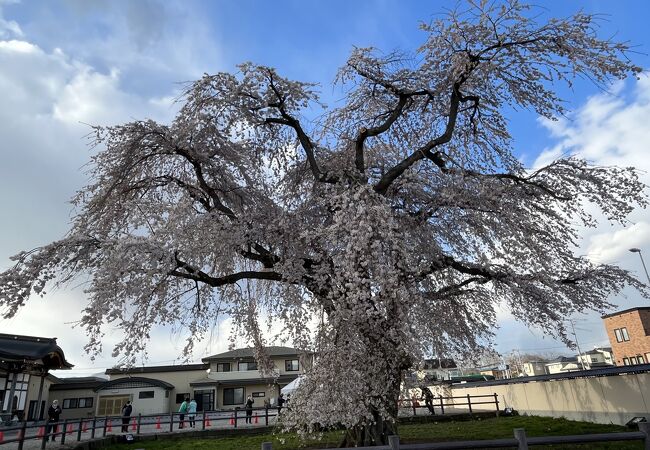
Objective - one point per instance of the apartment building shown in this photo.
(629, 335)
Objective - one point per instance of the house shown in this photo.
(533, 368)
(177, 386)
(221, 381)
(25, 362)
(563, 364)
(629, 335)
(234, 375)
(438, 369)
(497, 372)
(77, 396)
(598, 357)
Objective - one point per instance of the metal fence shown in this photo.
(520, 441)
(90, 428)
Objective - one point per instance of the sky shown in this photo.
(69, 64)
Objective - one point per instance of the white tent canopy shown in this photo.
(289, 388)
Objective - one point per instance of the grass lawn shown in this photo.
(411, 433)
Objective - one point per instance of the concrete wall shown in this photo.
(608, 399)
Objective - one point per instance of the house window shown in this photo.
(621, 334)
(632, 360)
(223, 367)
(146, 394)
(233, 396)
(626, 362)
(640, 360)
(112, 405)
(70, 403)
(259, 394)
(647, 357)
(247, 366)
(291, 365)
(180, 398)
(626, 337)
(86, 402)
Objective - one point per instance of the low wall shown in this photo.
(605, 399)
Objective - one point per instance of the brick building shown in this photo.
(629, 334)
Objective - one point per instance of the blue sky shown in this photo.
(64, 64)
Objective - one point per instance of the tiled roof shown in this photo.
(248, 353)
(153, 369)
(64, 384)
(32, 348)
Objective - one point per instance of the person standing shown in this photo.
(182, 410)
(280, 402)
(53, 414)
(249, 409)
(191, 412)
(127, 409)
(428, 399)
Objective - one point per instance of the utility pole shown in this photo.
(638, 250)
(575, 336)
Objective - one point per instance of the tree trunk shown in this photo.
(377, 432)
(370, 434)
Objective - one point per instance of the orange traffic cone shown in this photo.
(232, 419)
(21, 434)
(84, 427)
(134, 425)
(109, 425)
(207, 421)
(41, 432)
(2, 437)
(158, 423)
(69, 428)
(256, 417)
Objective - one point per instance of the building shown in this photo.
(533, 368)
(629, 335)
(221, 381)
(598, 357)
(234, 375)
(25, 362)
(438, 370)
(563, 364)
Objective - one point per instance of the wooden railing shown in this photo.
(439, 403)
(520, 441)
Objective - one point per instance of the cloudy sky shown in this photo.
(69, 63)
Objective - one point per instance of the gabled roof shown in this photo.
(241, 353)
(129, 382)
(563, 359)
(153, 369)
(29, 349)
(64, 384)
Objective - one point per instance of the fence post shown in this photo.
(21, 435)
(92, 430)
(65, 431)
(235, 417)
(442, 405)
(105, 425)
(393, 442)
(520, 436)
(203, 417)
(496, 402)
(81, 423)
(469, 403)
(139, 423)
(413, 406)
(644, 427)
(171, 422)
(267, 446)
(266, 415)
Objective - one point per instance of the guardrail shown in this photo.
(520, 441)
(90, 428)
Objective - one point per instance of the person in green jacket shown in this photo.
(182, 410)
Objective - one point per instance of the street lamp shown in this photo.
(638, 250)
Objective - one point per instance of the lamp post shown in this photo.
(638, 250)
